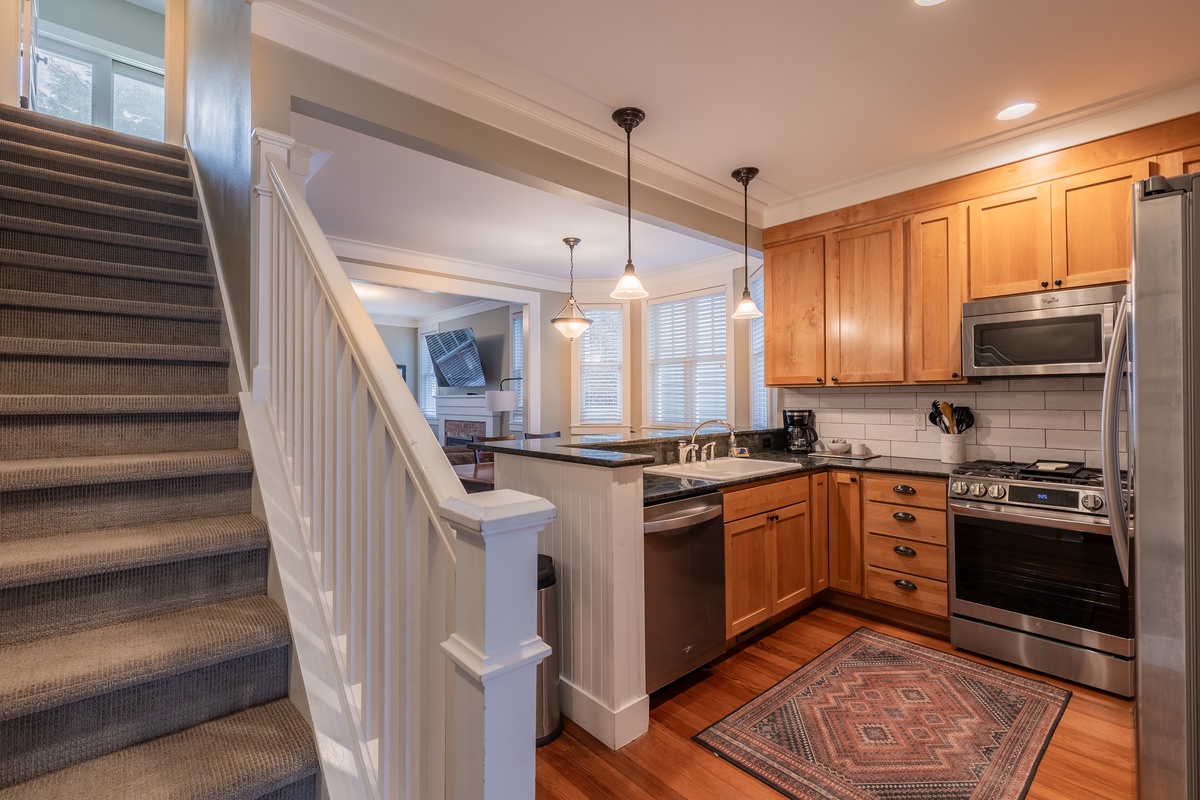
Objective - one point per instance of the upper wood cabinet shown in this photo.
(937, 264)
(1062, 234)
(864, 304)
(794, 313)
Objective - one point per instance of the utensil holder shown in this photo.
(954, 448)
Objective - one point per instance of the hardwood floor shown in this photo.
(1090, 756)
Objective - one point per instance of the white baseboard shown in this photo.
(614, 727)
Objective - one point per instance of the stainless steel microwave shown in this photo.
(1053, 333)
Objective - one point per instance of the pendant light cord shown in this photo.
(629, 189)
(746, 233)
(572, 248)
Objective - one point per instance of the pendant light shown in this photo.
(571, 322)
(746, 309)
(629, 287)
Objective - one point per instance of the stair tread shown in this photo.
(46, 404)
(70, 348)
(61, 142)
(132, 308)
(99, 184)
(100, 209)
(42, 473)
(90, 133)
(112, 269)
(72, 555)
(237, 757)
(43, 228)
(56, 670)
(72, 161)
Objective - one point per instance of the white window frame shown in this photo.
(772, 395)
(623, 427)
(516, 368)
(731, 354)
(432, 420)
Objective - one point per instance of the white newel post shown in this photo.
(494, 647)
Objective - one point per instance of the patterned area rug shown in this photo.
(875, 717)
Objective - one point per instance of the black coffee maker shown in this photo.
(800, 427)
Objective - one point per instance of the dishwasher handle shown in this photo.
(672, 524)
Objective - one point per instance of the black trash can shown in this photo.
(549, 717)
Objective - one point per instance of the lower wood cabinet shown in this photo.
(768, 551)
(904, 552)
(845, 531)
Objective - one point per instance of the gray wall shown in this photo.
(112, 20)
(217, 122)
(402, 344)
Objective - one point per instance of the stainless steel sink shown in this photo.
(721, 469)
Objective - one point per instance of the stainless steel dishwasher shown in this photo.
(685, 587)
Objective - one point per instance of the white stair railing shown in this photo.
(419, 669)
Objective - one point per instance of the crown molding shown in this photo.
(393, 320)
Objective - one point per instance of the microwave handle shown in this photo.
(1110, 432)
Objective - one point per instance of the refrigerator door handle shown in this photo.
(1110, 432)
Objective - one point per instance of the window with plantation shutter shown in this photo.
(517, 420)
(759, 410)
(426, 381)
(686, 347)
(600, 367)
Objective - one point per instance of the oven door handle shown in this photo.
(1025, 516)
(1118, 515)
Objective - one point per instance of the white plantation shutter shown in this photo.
(758, 387)
(426, 381)
(686, 337)
(601, 351)
(517, 419)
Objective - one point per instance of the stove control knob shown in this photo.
(996, 492)
(959, 487)
(978, 489)
(1092, 502)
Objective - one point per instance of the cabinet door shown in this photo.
(845, 532)
(790, 529)
(747, 574)
(936, 274)
(819, 534)
(794, 313)
(864, 304)
(1092, 226)
(1010, 243)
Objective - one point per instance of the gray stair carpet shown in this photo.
(140, 656)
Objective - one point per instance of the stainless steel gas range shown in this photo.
(1034, 578)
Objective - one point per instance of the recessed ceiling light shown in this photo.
(1015, 111)
(928, 2)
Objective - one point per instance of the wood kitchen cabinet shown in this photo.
(904, 526)
(845, 531)
(1061, 234)
(819, 499)
(794, 313)
(937, 276)
(768, 529)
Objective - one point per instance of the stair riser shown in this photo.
(306, 789)
(46, 375)
(49, 609)
(72, 435)
(56, 738)
(89, 132)
(43, 323)
(99, 222)
(82, 284)
(101, 251)
(92, 149)
(40, 512)
(61, 185)
(115, 173)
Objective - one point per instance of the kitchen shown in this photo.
(1028, 414)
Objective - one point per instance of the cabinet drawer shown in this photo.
(926, 492)
(925, 560)
(762, 498)
(907, 522)
(927, 595)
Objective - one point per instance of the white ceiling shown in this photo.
(837, 101)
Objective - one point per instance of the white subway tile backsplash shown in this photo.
(1074, 400)
(992, 386)
(867, 416)
(829, 430)
(1032, 454)
(1064, 420)
(1013, 437)
(902, 400)
(847, 400)
(1010, 400)
(894, 433)
(1047, 385)
(988, 452)
(1073, 440)
(931, 450)
(991, 418)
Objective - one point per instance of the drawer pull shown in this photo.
(903, 488)
(903, 516)
(907, 586)
(901, 550)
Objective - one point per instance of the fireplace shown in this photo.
(462, 416)
(460, 431)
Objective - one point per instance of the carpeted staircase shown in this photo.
(140, 657)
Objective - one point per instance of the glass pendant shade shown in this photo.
(571, 322)
(629, 287)
(746, 308)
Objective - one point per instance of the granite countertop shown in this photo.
(565, 450)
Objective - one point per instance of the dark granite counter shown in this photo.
(563, 450)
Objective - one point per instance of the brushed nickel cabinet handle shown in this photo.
(907, 586)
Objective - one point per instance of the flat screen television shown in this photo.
(455, 358)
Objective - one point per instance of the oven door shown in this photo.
(1058, 341)
(1046, 573)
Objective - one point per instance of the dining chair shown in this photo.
(547, 435)
(482, 457)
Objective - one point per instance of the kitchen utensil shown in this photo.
(936, 418)
(948, 412)
(963, 418)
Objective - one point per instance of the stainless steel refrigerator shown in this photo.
(1154, 383)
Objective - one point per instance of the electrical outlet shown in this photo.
(919, 420)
